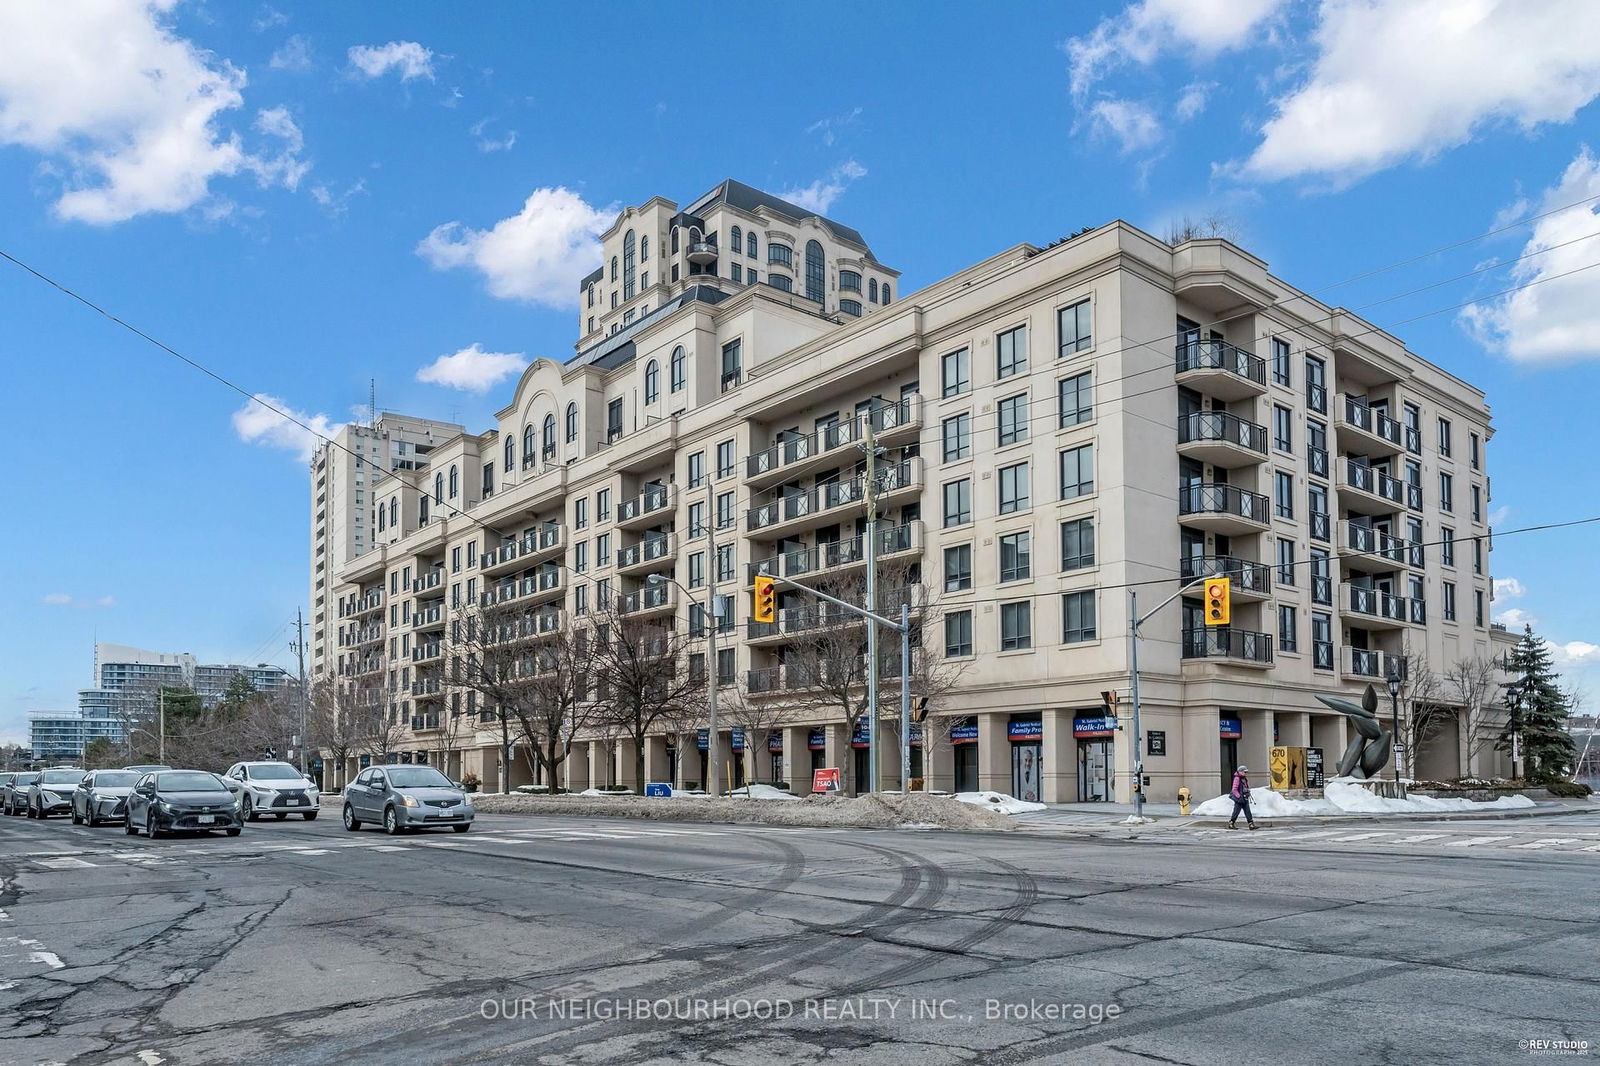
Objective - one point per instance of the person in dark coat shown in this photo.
(1241, 798)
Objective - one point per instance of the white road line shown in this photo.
(34, 951)
(1418, 838)
(1472, 842)
(390, 847)
(150, 1058)
(1357, 836)
(65, 863)
(1545, 842)
(1591, 847)
(308, 851)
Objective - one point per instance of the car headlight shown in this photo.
(410, 801)
(466, 797)
(49, 797)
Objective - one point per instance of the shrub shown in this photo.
(1569, 789)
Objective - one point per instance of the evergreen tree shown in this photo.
(1536, 712)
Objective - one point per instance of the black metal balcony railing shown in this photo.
(431, 580)
(1413, 440)
(1222, 642)
(1322, 590)
(1210, 498)
(793, 505)
(731, 380)
(1364, 417)
(1317, 461)
(1363, 477)
(1378, 604)
(653, 498)
(1321, 525)
(1245, 575)
(1322, 654)
(832, 554)
(1317, 397)
(1222, 426)
(1376, 543)
(1195, 354)
(1413, 496)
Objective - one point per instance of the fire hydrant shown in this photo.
(1183, 801)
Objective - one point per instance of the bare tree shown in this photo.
(638, 669)
(1425, 706)
(551, 715)
(1211, 225)
(1474, 686)
(333, 722)
(381, 728)
(489, 651)
(756, 717)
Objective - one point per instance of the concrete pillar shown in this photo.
(1330, 732)
(938, 755)
(1059, 777)
(655, 759)
(889, 760)
(626, 774)
(797, 759)
(840, 754)
(1294, 728)
(578, 777)
(1201, 752)
(994, 752)
(1255, 746)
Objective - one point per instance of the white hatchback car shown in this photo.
(274, 788)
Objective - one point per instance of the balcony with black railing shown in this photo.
(1220, 369)
(830, 502)
(1239, 647)
(839, 556)
(1247, 579)
(810, 617)
(1223, 508)
(1365, 490)
(429, 581)
(652, 599)
(1376, 609)
(1366, 548)
(1367, 430)
(654, 552)
(428, 618)
(533, 547)
(647, 508)
(1375, 664)
(1221, 438)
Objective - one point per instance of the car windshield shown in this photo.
(61, 777)
(25, 779)
(274, 771)
(188, 781)
(417, 777)
(116, 779)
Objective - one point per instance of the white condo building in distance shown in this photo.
(1057, 424)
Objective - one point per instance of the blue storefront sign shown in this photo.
(703, 743)
(1094, 726)
(1230, 728)
(916, 736)
(702, 739)
(817, 740)
(1025, 731)
(966, 733)
(859, 738)
(774, 741)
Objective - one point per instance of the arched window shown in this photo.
(885, 294)
(736, 240)
(674, 239)
(652, 381)
(872, 290)
(780, 281)
(613, 268)
(572, 422)
(644, 249)
(383, 518)
(549, 435)
(750, 246)
(438, 488)
(527, 444)
(816, 273)
(630, 270)
(677, 369)
(394, 510)
(422, 509)
(511, 452)
(455, 481)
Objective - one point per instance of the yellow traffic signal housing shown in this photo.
(1218, 607)
(765, 605)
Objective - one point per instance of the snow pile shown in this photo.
(998, 801)
(1343, 795)
(881, 811)
(762, 792)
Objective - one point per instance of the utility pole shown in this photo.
(869, 443)
(713, 776)
(300, 654)
(161, 726)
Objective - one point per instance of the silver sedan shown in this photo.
(103, 796)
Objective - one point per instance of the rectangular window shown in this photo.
(958, 568)
(738, 272)
(697, 569)
(1285, 562)
(1288, 635)
(725, 562)
(1444, 437)
(1280, 361)
(1283, 493)
(1316, 385)
(1013, 419)
(732, 364)
(1014, 492)
(955, 371)
(1016, 556)
(602, 505)
(613, 424)
(725, 459)
(957, 502)
(1077, 544)
(580, 514)
(1449, 588)
(1077, 617)
(1472, 451)
(697, 469)
(957, 634)
(725, 510)
(1477, 503)
(1447, 546)
(1077, 399)
(602, 550)
(581, 599)
(1447, 496)
(455, 560)
(1321, 577)
(1076, 327)
(1282, 429)
(1011, 353)
(1477, 555)
(1016, 625)
(1077, 471)
(957, 438)
(697, 519)
(580, 556)
(1477, 607)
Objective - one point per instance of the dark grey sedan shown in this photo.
(401, 798)
(103, 796)
(14, 793)
(185, 801)
(52, 793)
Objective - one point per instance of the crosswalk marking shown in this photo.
(1357, 836)
(1546, 842)
(1419, 838)
(64, 863)
(1472, 842)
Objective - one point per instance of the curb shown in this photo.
(1396, 818)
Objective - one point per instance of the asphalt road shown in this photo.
(589, 941)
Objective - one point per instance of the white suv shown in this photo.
(274, 788)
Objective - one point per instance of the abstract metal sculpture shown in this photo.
(1369, 749)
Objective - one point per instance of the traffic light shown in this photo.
(919, 708)
(764, 609)
(1218, 607)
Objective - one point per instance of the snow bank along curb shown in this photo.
(826, 812)
(1343, 796)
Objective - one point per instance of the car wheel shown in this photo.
(350, 821)
(391, 822)
(28, 813)
(150, 826)
(311, 816)
(235, 831)
(245, 811)
(462, 828)
(280, 817)
(127, 825)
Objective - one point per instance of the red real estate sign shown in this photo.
(825, 780)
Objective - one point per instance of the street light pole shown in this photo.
(1394, 722)
(713, 777)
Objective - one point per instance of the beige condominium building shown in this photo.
(1054, 426)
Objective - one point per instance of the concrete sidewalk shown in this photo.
(1114, 816)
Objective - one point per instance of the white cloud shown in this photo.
(129, 111)
(1508, 588)
(408, 57)
(1556, 319)
(269, 17)
(472, 369)
(1148, 28)
(1575, 653)
(295, 55)
(61, 599)
(830, 128)
(1499, 516)
(1134, 125)
(489, 144)
(286, 168)
(536, 255)
(821, 194)
(259, 421)
(1516, 618)
(1193, 99)
(337, 203)
(1397, 79)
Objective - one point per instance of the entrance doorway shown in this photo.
(863, 764)
(1026, 772)
(1094, 770)
(966, 767)
(1230, 761)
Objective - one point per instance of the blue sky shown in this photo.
(306, 196)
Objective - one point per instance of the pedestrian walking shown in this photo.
(1241, 798)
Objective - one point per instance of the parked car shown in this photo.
(103, 796)
(181, 801)
(274, 788)
(52, 792)
(14, 794)
(406, 797)
(146, 769)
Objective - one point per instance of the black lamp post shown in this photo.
(1394, 713)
